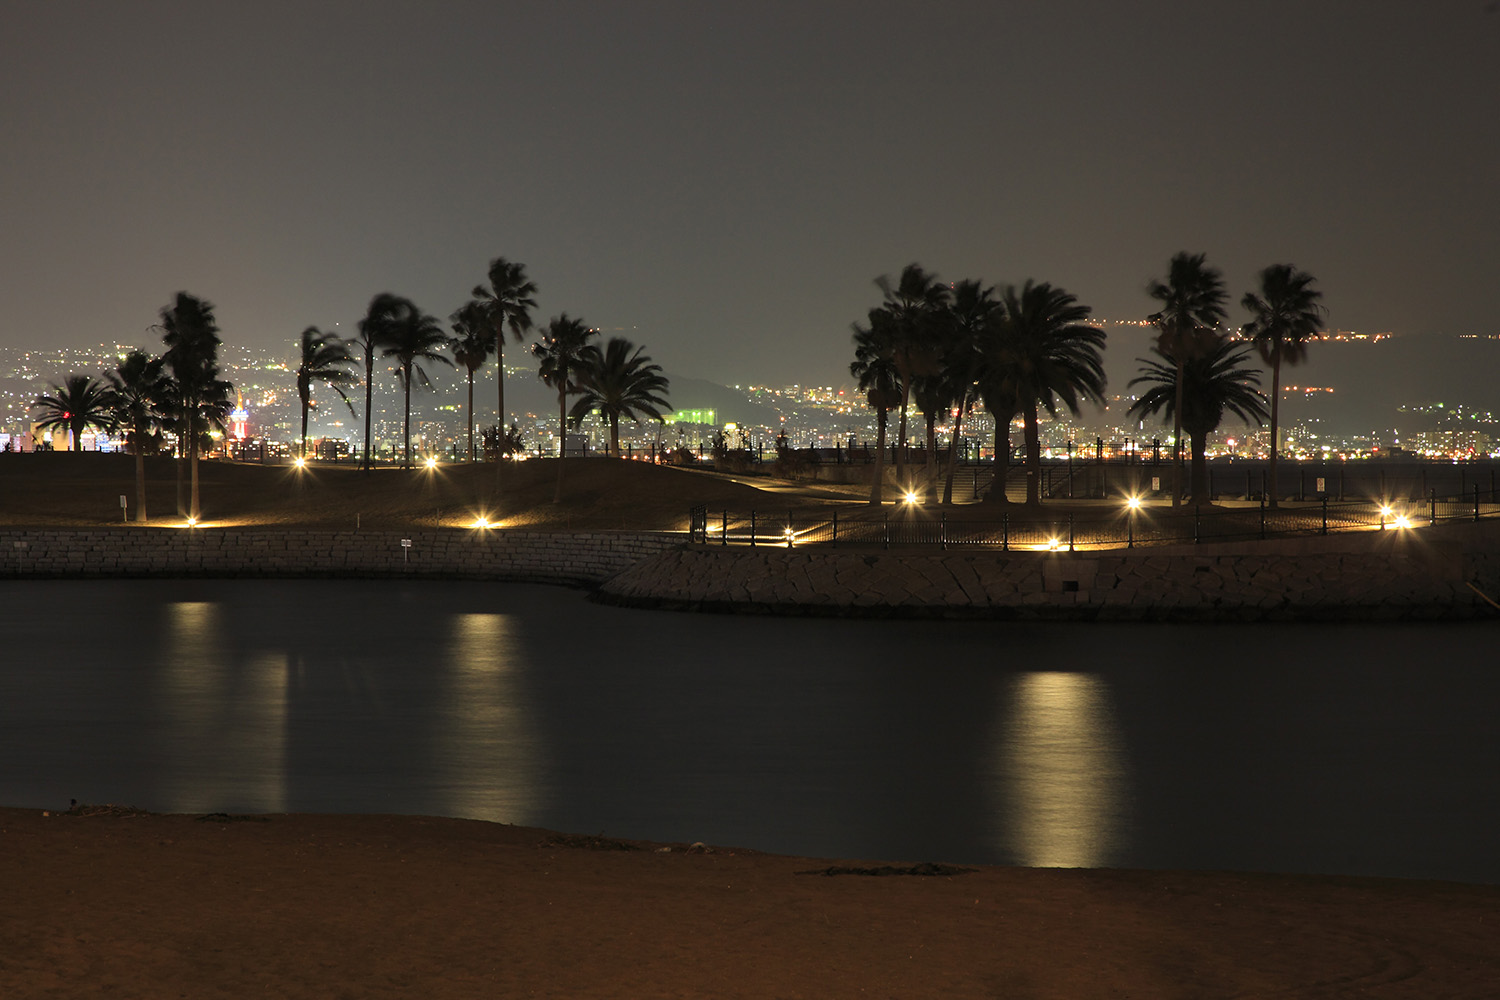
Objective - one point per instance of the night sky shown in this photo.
(723, 181)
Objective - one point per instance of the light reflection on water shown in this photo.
(486, 759)
(1061, 772)
(219, 717)
(1356, 750)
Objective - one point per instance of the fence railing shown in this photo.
(1118, 526)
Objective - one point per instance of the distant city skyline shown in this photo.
(722, 183)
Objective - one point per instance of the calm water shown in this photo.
(1359, 750)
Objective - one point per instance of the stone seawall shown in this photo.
(531, 556)
(1371, 575)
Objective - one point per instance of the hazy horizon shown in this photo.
(723, 183)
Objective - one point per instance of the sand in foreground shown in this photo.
(378, 906)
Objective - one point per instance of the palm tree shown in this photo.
(373, 335)
(507, 301)
(874, 367)
(139, 386)
(1207, 384)
(914, 303)
(1049, 355)
(325, 359)
(621, 383)
(471, 348)
(565, 354)
(1192, 307)
(198, 397)
(972, 314)
(81, 402)
(412, 337)
(1285, 316)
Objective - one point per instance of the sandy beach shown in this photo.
(125, 905)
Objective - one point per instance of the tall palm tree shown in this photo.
(1204, 386)
(199, 398)
(565, 353)
(414, 337)
(1192, 307)
(474, 339)
(874, 368)
(972, 315)
(139, 386)
(1284, 317)
(1050, 355)
(374, 333)
(508, 301)
(81, 402)
(326, 360)
(914, 303)
(622, 382)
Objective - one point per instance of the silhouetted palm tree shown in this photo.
(972, 315)
(81, 402)
(874, 368)
(1050, 355)
(1284, 317)
(1192, 307)
(1207, 384)
(621, 383)
(139, 384)
(565, 353)
(914, 304)
(374, 334)
(413, 337)
(474, 340)
(326, 360)
(198, 398)
(508, 300)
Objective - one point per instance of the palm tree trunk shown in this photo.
(901, 431)
(930, 469)
(406, 418)
(471, 415)
(562, 435)
(195, 508)
(140, 480)
(369, 396)
(997, 493)
(958, 423)
(1200, 470)
(1177, 439)
(1033, 455)
(500, 406)
(877, 484)
(304, 429)
(614, 435)
(1275, 427)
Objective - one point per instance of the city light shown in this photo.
(300, 462)
(431, 462)
(909, 497)
(1134, 503)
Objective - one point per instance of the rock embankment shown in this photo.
(1429, 573)
(529, 556)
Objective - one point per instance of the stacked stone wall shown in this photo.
(1431, 573)
(531, 556)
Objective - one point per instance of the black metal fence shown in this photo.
(1125, 526)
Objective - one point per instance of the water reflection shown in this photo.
(486, 757)
(1060, 771)
(221, 723)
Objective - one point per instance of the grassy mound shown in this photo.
(61, 489)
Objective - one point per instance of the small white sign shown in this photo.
(122, 500)
(1155, 483)
(1322, 485)
(406, 543)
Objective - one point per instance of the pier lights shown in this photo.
(482, 522)
(909, 497)
(192, 522)
(299, 462)
(1053, 543)
(430, 463)
(1133, 503)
